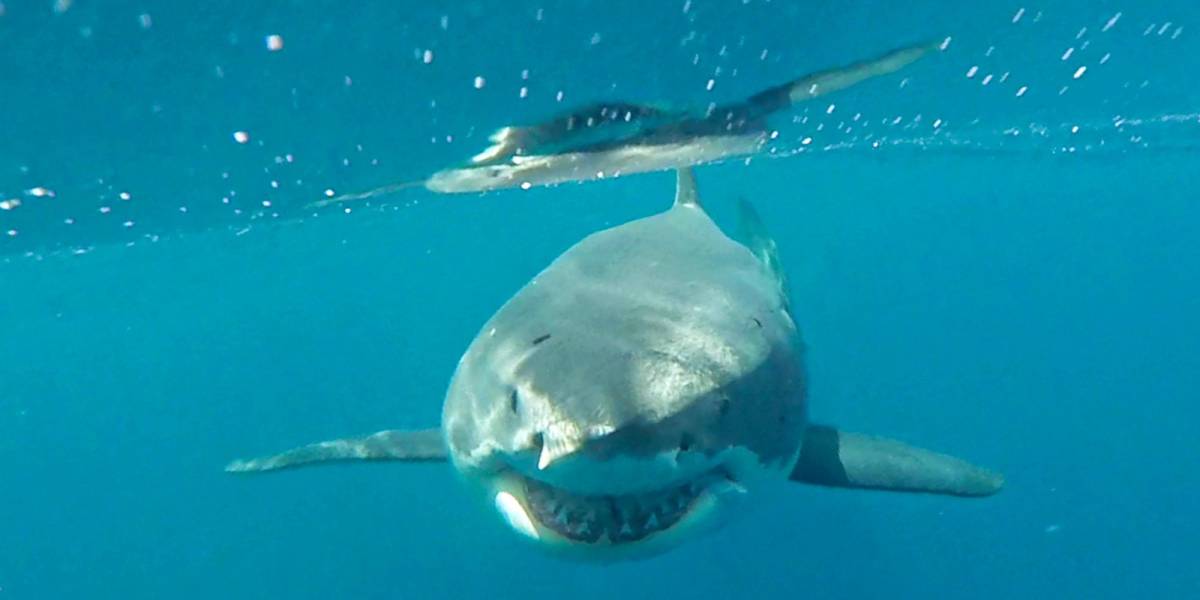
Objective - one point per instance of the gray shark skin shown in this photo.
(644, 387)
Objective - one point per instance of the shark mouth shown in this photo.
(602, 518)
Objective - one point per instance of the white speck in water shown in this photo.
(1020, 13)
(710, 85)
(945, 44)
(1053, 528)
(596, 38)
(145, 21)
(1111, 22)
(559, 96)
(274, 42)
(445, 22)
(127, 224)
(1021, 91)
(266, 203)
(526, 185)
(68, 221)
(806, 141)
(829, 111)
(12, 233)
(40, 192)
(480, 82)
(1079, 72)
(182, 209)
(329, 192)
(1068, 53)
(524, 92)
(104, 210)
(987, 79)
(972, 71)
(124, 196)
(241, 137)
(9, 204)
(427, 57)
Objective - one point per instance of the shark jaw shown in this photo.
(612, 527)
(622, 524)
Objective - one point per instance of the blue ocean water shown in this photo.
(1008, 275)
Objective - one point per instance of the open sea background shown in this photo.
(1007, 275)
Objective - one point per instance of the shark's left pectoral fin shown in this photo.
(413, 446)
(838, 459)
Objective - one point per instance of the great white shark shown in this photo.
(641, 389)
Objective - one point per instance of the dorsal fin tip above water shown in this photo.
(685, 188)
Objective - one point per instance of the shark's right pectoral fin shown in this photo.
(838, 459)
(423, 445)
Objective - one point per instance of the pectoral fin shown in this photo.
(414, 446)
(838, 459)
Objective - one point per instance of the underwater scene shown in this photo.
(599, 299)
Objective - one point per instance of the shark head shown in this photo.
(615, 421)
(618, 470)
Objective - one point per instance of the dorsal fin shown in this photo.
(761, 244)
(685, 189)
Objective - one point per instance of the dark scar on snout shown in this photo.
(541, 338)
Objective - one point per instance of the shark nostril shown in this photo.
(513, 401)
(536, 441)
(685, 442)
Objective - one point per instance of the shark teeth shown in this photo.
(554, 448)
(612, 518)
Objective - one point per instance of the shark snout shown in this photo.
(593, 466)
